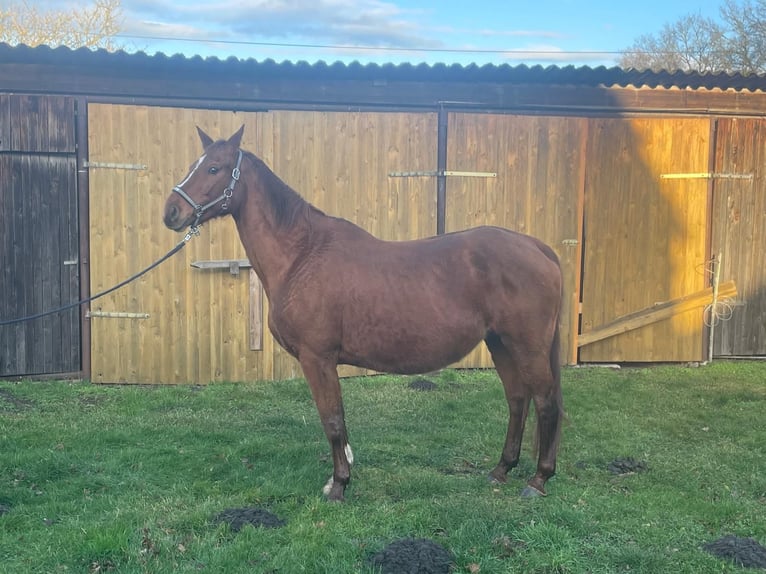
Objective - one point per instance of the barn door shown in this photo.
(645, 234)
(539, 165)
(38, 235)
(739, 220)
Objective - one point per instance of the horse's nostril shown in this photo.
(171, 216)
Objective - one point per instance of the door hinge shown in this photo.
(706, 175)
(444, 172)
(116, 315)
(112, 165)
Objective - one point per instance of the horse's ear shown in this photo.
(206, 139)
(237, 137)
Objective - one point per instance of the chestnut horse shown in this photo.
(338, 295)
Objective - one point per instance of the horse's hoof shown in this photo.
(333, 491)
(499, 475)
(531, 492)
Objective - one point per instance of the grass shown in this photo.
(127, 479)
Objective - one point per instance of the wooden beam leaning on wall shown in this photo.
(655, 313)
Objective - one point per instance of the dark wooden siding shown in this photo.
(739, 224)
(37, 124)
(38, 236)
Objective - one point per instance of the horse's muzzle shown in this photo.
(173, 217)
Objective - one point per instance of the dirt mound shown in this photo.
(744, 552)
(422, 385)
(236, 518)
(627, 465)
(412, 556)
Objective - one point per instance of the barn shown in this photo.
(648, 186)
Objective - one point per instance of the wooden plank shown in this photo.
(5, 122)
(574, 326)
(656, 313)
(230, 264)
(256, 313)
(8, 307)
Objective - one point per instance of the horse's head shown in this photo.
(208, 190)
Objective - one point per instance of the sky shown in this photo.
(560, 32)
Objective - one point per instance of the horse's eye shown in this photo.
(213, 170)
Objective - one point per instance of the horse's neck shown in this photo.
(272, 249)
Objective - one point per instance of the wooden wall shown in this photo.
(593, 188)
(197, 324)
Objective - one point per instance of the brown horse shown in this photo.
(337, 295)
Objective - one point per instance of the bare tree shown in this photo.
(736, 43)
(93, 26)
(746, 39)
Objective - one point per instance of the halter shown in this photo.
(199, 210)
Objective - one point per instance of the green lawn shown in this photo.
(128, 479)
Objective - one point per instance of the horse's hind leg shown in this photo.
(542, 372)
(549, 414)
(527, 372)
(518, 404)
(322, 377)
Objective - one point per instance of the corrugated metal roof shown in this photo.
(517, 74)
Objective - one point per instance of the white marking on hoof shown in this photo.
(350, 458)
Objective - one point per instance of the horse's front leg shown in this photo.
(322, 377)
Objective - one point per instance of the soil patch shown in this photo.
(15, 402)
(745, 552)
(422, 385)
(627, 465)
(412, 556)
(236, 518)
(4, 509)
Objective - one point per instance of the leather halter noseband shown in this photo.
(199, 210)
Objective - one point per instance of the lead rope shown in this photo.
(193, 230)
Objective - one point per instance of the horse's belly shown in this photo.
(408, 351)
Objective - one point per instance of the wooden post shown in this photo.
(716, 282)
(256, 313)
(441, 167)
(83, 222)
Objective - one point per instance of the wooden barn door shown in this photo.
(739, 233)
(185, 324)
(645, 234)
(539, 167)
(38, 235)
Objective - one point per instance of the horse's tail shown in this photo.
(557, 395)
(555, 365)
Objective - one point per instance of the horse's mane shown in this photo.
(287, 205)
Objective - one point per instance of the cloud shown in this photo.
(336, 22)
(545, 53)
